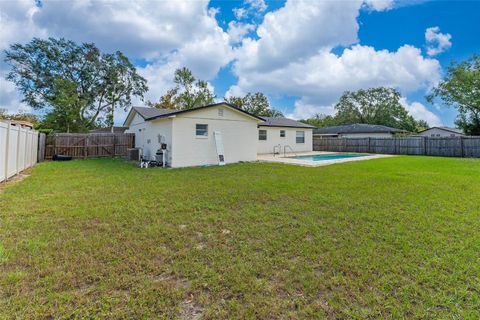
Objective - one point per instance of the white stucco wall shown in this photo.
(239, 134)
(437, 132)
(365, 135)
(147, 136)
(274, 139)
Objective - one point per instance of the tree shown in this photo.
(188, 93)
(254, 103)
(29, 117)
(321, 120)
(374, 106)
(461, 89)
(77, 83)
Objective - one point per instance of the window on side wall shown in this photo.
(300, 137)
(201, 130)
(282, 133)
(262, 135)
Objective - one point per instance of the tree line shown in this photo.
(75, 88)
(371, 106)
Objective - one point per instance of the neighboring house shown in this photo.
(189, 134)
(285, 135)
(358, 130)
(441, 132)
(109, 130)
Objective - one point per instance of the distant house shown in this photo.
(357, 130)
(441, 132)
(109, 130)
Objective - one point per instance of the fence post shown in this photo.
(461, 147)
(85, 147)
(17, 170)
(369, 147)
(54, 144)
(6, 150)
(26, 152)
(114, 149)
(424, 141)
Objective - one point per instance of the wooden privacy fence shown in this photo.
(18, 149)
(445, 147)
(88, 145)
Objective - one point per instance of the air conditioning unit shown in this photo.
(133, 154)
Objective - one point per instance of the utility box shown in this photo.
(133, 154)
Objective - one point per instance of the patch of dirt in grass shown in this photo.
(190, 311)
(15, 179)
(177, 282)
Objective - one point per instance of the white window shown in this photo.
(201, 130)
(220, 112)
(262, 134)
(300, 137)
(282, 133)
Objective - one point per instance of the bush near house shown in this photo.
(386, 238)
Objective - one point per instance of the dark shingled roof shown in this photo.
(283, 122)
(357, 128)
(148, 113)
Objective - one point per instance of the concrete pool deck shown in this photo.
(310, 163)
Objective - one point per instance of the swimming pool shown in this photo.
(330, 156)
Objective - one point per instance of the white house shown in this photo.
(357, 130)
(191, 136)
(441, 132)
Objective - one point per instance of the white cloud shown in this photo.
(305, 111)
(238, 30)
(165, 34)
(287, 60)
(240, 13)
(379, 5)
(437, 42)
(420, 112)
(258, 5)
(293, 32)
(250, 8)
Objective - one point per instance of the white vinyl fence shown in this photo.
(18, 149)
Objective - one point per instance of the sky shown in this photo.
(302, 54)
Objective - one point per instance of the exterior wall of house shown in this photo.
(149, 135)
(274, 139)
(438, 132)
(239, 135)
(366, 135)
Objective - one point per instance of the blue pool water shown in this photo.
(330, 156)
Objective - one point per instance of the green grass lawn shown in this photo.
(387, 238)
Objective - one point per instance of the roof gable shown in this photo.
(452, 130)
(148, 113)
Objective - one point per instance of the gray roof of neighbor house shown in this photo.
(148, 113)
(283, 122)
(454, 130)
(357, 128)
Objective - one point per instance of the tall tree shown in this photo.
(29, 117)
(374, 106)
(254, 103)
(77, 83)
(461, 89)
(188, 93)
(321, 120)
